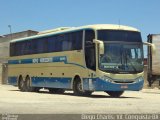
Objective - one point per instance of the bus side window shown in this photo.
(76, 40)
(79, 35)
(69, 42)
(90, 56)
(40, 46)
(58, 42)
(34, 47)
(52, 44)
(12, 49)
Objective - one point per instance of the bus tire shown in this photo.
(28, 85)
(21, 84)
(56, 90)
(115, 93)
(36, 89)
(88, 93)
(77, 89)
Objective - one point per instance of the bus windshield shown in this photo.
(123, 52)
(122, 58)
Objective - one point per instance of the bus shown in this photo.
(101, 57)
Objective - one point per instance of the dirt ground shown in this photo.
(15, 102)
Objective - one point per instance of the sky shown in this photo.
(42, 15)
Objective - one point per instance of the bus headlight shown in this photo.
(106, 79)
(139, 79)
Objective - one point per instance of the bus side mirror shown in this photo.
(101, 46)
(153, 47)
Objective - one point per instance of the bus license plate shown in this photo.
(124, 86)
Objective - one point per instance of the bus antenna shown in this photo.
(119, 23)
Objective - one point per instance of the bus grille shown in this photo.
(124, 81)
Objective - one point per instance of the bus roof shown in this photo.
(70, 29)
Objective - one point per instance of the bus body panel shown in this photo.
(51, 70)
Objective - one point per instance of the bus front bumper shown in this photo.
(97, 84)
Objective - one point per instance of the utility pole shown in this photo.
(10, 29)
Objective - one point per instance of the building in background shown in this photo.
(4, 51)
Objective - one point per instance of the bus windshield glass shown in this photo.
(119, 35)
(121, 55)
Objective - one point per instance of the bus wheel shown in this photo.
(21, 85)
(36, 89)
(115, 93)
(87, 93)
(77, 88)
(28, 85)
(56, 90)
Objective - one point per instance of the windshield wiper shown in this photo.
(127, 59)
(134, 68)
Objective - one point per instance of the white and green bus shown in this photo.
(84, 59)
